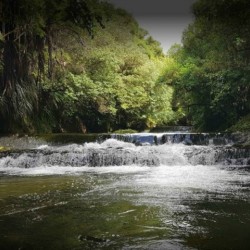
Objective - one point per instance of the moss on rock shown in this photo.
(3, 149)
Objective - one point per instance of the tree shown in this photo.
(213, 76)
(68, 80)
(27, 32)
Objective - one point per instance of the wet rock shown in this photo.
(241, 140)
(91, 238)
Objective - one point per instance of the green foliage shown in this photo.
(123, 89)
(71, 82)
(27, 56)
(210, 73)
(55, 77)
(243, 125)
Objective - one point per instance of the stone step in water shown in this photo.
(172, 138)
(117, 153)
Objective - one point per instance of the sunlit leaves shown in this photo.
(210, 74)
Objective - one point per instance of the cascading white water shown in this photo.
(152, 191)
(147, 150)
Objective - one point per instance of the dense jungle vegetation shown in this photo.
(85, 66)
(211, 72)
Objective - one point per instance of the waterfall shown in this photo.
(133, 191)
(176, 137)
(145, 149)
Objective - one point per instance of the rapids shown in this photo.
(140, 191)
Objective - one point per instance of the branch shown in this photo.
(74, 32)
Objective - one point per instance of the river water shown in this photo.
(121, 195)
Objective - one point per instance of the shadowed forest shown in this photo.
(109, 142)
(85, 66)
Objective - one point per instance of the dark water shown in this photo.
(185, 200)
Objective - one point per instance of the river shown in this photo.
(126, 192)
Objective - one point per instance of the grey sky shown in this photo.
(164, 19)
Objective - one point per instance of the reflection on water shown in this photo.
(82, 212)
(174, 204)
(159, 208)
